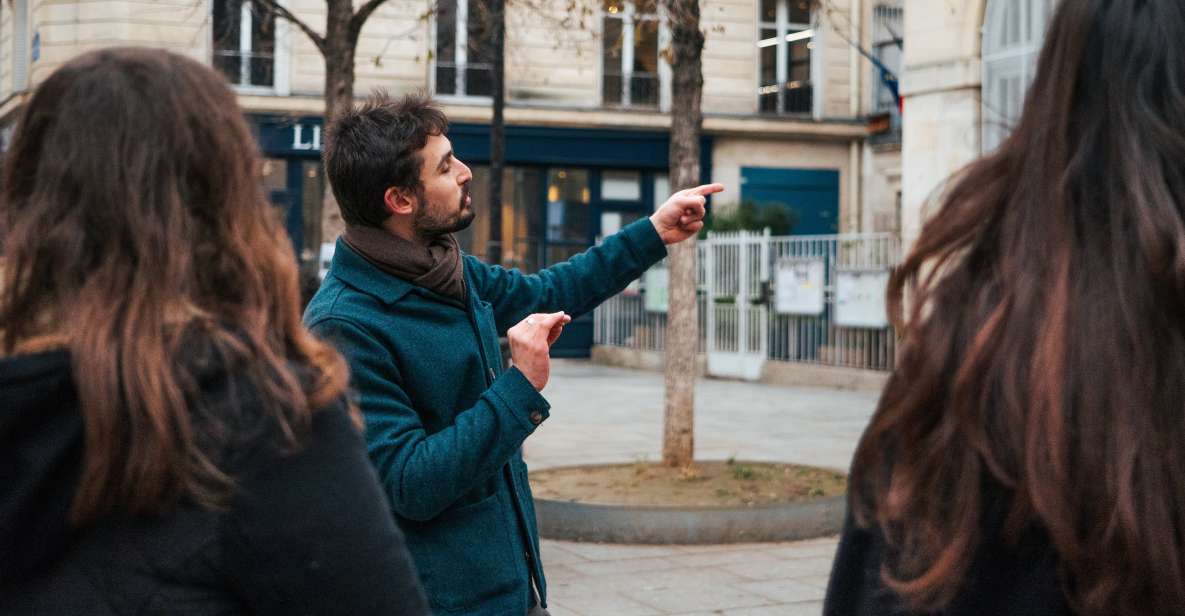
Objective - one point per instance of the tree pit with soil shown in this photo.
(724, 484)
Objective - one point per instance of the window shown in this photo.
(888, 21)
(631, 74)
(621, 186)
(1013, 32)
(784, 43)
(20, 45)
(464, 49)
(244, 33)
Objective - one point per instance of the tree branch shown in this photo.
(359, 18)
(280, 11)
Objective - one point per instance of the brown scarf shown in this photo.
(437, 267)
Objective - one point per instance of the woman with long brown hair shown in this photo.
(171, 439)
(1028, 453)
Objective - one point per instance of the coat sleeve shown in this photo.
(425, 473)
(310, 533)
(575, 286)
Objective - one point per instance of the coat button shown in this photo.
(536, 418)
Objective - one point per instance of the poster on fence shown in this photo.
(860, 298)
(799, 284)
(657, 281)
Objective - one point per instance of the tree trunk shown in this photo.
(496, 250)
(340, 43)
(682, 339)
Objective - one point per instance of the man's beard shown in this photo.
(426, 224)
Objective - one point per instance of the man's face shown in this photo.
(445, 206)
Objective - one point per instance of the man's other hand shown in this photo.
(682, 216)
(530, 345)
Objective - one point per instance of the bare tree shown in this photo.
(338, 46)
(491, 16)
(682, 338)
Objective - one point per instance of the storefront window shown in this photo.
(522, 217)
(662, 189)
(567, 205)
(475, 238)
(312, 197)
(621, 186)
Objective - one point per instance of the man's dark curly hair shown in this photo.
(376, 146)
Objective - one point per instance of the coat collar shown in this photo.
(354, 270)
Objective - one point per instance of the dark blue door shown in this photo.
(288, 203)
(813, 194)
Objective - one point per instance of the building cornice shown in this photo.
(732, 125)
(936, 77)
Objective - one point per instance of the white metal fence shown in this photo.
(803, 299)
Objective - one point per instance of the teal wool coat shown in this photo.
(444, 422)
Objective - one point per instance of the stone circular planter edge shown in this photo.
(574, 521)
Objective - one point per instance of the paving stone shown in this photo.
(759, 570)
(556, 553)
(609, 551)
(739, 555)
(602, 414)
(819, 550)
(625, 565)
(722, 597)
(610, 415)
(818, 581)
(646, 581)
(784, 591)
(604, 604)
(782, 609)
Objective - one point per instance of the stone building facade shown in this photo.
(796, 110)
(967, 67)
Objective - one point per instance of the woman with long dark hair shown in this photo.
(1028, 453)
(171, 439)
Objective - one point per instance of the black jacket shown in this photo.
(1004, 579)
(306, 532)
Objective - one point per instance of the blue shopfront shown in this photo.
(563, 189)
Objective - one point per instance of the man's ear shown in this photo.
(399, 202)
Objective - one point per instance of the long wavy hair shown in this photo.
(1043, 353)
(134, 223)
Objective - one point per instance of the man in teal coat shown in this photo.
(419, 323)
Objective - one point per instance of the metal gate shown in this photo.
(736, 268)
(793, 299)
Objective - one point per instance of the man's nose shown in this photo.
(466, 173)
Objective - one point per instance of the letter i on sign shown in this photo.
(298, 140)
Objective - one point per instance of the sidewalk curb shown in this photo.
(571, 521)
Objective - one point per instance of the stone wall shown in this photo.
(941, 85)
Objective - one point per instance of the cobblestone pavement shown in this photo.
(603, 415)
(760, 579)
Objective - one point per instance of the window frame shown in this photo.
(879, 43)
(280, 52)
(784, 29)
(628, 17)
(1011, 62)
(460, 59)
